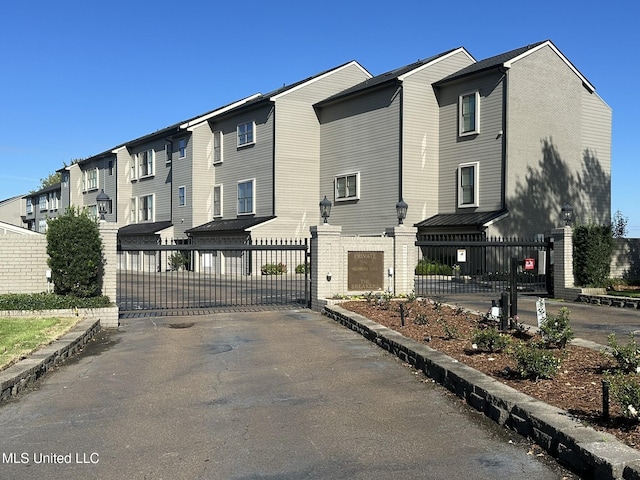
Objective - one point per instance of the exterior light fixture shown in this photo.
(103, 204)
(567, 214)
(325, 209)
(401, 210)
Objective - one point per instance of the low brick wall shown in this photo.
(107, 316)
(24, 373)
(590, 453)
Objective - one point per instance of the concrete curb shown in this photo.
(590, 453)
(22, 374)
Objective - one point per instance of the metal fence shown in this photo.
(455, 264)
(204, 276)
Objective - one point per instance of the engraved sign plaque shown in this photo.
(365, 271)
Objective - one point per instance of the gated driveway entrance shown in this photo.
(187, 276)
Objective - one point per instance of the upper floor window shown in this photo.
(42, 202)
(168, 151)
(42, 225)
(246, 196)
(145, 211)
(29, 206)
(469, 113)
(182, 196)
(182, 147)
(110, 167)
(145, 163)
(54, 200)
(90, 180)
(468, 185)
(246, 134)
(347, 187)
(217, 147)
(217, 201)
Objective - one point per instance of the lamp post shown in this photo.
(567, 214)
(325, 209)
(103, 204)
(401, 210)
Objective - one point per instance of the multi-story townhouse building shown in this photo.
(41, 206)
(494, 147)
(12, 210)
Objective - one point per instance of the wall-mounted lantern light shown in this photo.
(325, 209)
(401, 210)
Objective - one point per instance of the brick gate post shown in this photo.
(109, 235)
(404, 258)
(563, 281)
(326, 270)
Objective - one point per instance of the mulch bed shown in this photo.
(577, 388)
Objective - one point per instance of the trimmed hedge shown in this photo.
(49, 301)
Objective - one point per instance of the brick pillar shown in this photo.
(563, 282)
(404, 258)
(109, 235)
(326, 258)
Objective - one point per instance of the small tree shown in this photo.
(619, 225)
(75, 253)
(592, 250)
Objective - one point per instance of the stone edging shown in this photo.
(588, 452)
(610, 300)
(20, 375)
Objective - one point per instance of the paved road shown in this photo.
(589, 322)
(267, 395)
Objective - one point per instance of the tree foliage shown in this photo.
(592, 251)
(619, 225)
(76, 254)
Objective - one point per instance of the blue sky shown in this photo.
(80, 77)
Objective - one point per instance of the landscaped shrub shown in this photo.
(75, 254)
(489, 340)
(179, 261)
(592, 250)
(625, 391)
(49, 301)
(627, 356)
(273, 269)
(556, 331)
(303, 268)
(429, 267)
(534, 362)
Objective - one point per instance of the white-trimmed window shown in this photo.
(54, 201)
(468, 184)
(134, 167)
(145, 208)
(182, 196)
(182, 147)
(42, 225)
(90, 179)
(42, 202)
(469, 113)
(145, 163)
(217, 201)
(246, 197)
(217, 147)
(134, 210)
(92, 210)
(29, 206)
(347, 186)
(246, 134)
(168, 152)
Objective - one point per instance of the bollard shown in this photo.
(504, 306)
(402, 314)
(605, 399)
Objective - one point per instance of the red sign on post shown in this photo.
(529, 264)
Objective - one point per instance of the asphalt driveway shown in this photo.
(266, 395)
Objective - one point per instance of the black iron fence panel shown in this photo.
(454, 264)
(207, 276)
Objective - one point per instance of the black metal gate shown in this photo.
(457, 264)
(200, 277)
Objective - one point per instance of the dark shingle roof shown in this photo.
(144, 228)
(232, 225)
(477, 219)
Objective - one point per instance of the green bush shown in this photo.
(534, 362)
(75, 254)
(430, 267)
(489, 340)
(625, 391)
(627, 356)
(303, 268)
(179, 261)
(592, 250)
(49, 301)
(556, 331)
(273, 269)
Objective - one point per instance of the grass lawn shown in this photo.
(21, 336)
(625, 293)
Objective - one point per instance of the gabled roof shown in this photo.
(232, 225)
(507, 59)
(476, 220)
(50, 188)
(391, 76)
(144, 228)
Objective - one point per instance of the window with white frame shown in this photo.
(168, 152)
(42, 225)
(90, 180)
(217, 147)
(134, 210)
(182, 196)
(246, 197)
(29, 206)
(468, 184)
(145, 210)
(42, 202)
(217, 201)
(92, 210)
(145, 163)
(134, 167)
(347, 186)
(182, 147)
(246, 134)
(54, 201)
(469, 113)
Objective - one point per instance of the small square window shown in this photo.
(347, 187)
(246, 134)
(468, 185)
(469, 114)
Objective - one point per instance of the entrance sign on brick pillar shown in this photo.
(109, 235)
